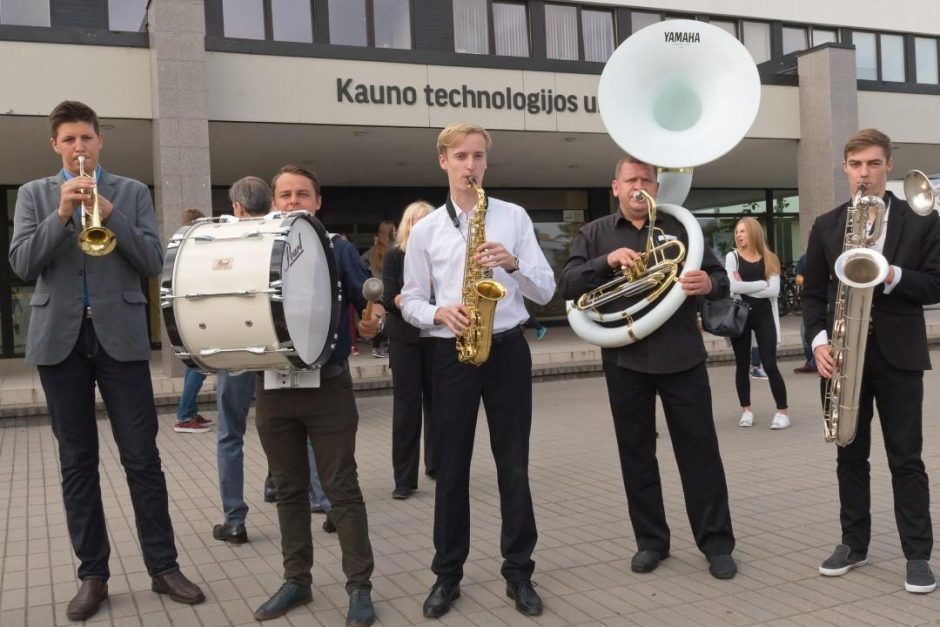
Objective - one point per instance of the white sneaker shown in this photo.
(780, 421)
(747, 419)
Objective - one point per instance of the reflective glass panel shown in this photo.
(757, 40)
(730, 27)
(25, 12)
(598, 33)
(892, 58)
(642, 19)
(925, 54)
(823, 36)
(511, 27)
(866, 58)
(291, 21)
(348, 22)
(127, 15)
(243, 19)
(392, 20)
(471, 26)
(794, 39)
(561, 32)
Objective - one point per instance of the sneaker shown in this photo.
(919, 578)
(758, 373)
(780, 421)
(379, 353)
(842, 560)
(203, 421)
(747, 419)
(354, 350)
(804, 369)
(540, 333)
(190, 426)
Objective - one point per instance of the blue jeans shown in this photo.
(234, 395)
(807, 348)
(192, 383)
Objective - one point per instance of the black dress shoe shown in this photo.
(235, 534)
(646, 561)
(401, 493)
(85, 603)
(180, 589)
(328, 525)
(439, 601)
(431, 473)
(722, 566)
(527, 599)
(270, 495)
(289, 596)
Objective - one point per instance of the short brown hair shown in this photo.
(631, 159)
(293, 168)
(192, 214)
(72, 111)
(865, 138)
(455, 133)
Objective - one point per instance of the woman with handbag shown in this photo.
(754, 271)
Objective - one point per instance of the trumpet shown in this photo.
(95, 239)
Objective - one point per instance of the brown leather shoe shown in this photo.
(180, 589)
(85, 604)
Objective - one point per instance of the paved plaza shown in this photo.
(783, 504)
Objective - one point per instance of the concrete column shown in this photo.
(181, 175)
(828, 117)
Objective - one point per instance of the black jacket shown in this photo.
(393, 277)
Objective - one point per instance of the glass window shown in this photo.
(730, 27)
(866, 56)
(127, 15)
(511, 27)
(392, 20)
(892, 58)
(925, 55)
(642, 19)
(757, 40)
(471, 27)
(243, 19)
(598, 34)
(561, 32)
(824, 36)
(25, 12)
(794, 39)
(348, 22)
(291, 20)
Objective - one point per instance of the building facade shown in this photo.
(194, 95)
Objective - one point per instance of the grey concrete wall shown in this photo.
(180, 120)
(828, 117)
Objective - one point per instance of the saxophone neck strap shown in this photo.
(452, 210)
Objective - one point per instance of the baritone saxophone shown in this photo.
(481, 292)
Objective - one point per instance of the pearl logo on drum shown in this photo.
(293, 254)
(223, 263)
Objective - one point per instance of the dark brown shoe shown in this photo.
(180, 589)
(85, 604)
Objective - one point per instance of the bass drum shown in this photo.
(251, 294)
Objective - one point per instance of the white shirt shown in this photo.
(437, 251)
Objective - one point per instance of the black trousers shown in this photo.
(761, 322)
(687, 402)
(504, 383)
(899, 395)
(411, 399)
(127, 392)
(327, 415)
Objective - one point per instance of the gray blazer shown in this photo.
(45, 250)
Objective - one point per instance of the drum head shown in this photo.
(310, 290)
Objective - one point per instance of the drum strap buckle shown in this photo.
(278, 379)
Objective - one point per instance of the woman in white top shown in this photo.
(754, 271)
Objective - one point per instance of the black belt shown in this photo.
(331, 371)
(502, 336)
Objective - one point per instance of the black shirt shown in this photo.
(675, 346)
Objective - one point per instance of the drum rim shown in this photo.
(166, 286)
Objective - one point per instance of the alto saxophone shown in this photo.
(480, 292)
(858, 270)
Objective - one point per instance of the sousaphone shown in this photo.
(676, 95)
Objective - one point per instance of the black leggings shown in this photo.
(761, 322)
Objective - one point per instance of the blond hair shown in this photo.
(413, 212)
(758, 242)
(455, 133)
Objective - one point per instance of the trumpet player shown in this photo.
(442, 258)
(669, 362)
(88, 327)
(894, 360)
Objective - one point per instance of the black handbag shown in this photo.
(725, 317)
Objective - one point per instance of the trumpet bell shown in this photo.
(921, 191)
(97, 241)
(679, 93)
